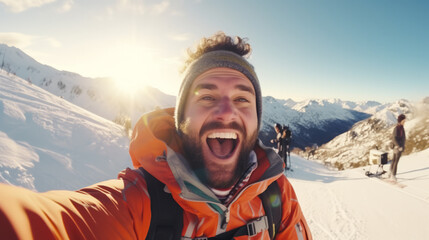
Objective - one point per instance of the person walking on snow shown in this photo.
(204, 152)
(399, 145)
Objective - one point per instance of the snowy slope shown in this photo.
(349, 205)
(48, 143)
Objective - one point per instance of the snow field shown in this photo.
(349, 205)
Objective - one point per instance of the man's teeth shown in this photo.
(225, 135)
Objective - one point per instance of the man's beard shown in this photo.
(214, 174)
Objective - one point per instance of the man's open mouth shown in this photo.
(222, 144)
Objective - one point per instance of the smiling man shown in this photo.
(219, 125)
(200, 170)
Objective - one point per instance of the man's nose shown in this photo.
(226, 110)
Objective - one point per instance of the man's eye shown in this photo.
(207, 98)
(241, 99)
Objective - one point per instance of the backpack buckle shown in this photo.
(257, 225)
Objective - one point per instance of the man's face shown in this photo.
(220, 126)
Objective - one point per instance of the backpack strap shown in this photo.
(167, 216)
(272, 202)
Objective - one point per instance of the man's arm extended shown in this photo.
(96, 212)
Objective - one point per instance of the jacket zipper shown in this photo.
(226, 214)
(225, 219)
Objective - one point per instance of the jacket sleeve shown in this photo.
(293, 225)
(101, 211)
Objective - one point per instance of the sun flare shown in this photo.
(134, 67)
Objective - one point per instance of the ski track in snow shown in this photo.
(340, 224)
(409, 190)
(347, 228)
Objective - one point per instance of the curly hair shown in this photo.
(219, 41)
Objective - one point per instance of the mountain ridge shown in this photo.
(313, 121)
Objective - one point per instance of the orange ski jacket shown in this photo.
(120, 209)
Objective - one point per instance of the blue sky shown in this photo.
(352, 50)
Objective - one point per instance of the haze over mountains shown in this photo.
(311, 121)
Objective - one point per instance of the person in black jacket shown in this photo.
(280, 140)
(399, 145)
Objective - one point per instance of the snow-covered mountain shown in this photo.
(48, 143)
(312, 121)
(100, 95)
(351, 149)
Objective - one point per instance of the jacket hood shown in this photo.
(154, 137)
(156, 146)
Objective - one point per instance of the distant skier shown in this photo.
(277, 128)
(281, 142)
(399, 145)
(287, 139)
(312, 151)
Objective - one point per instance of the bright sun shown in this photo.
(133, 67)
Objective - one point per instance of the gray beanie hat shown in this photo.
(210, 60)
